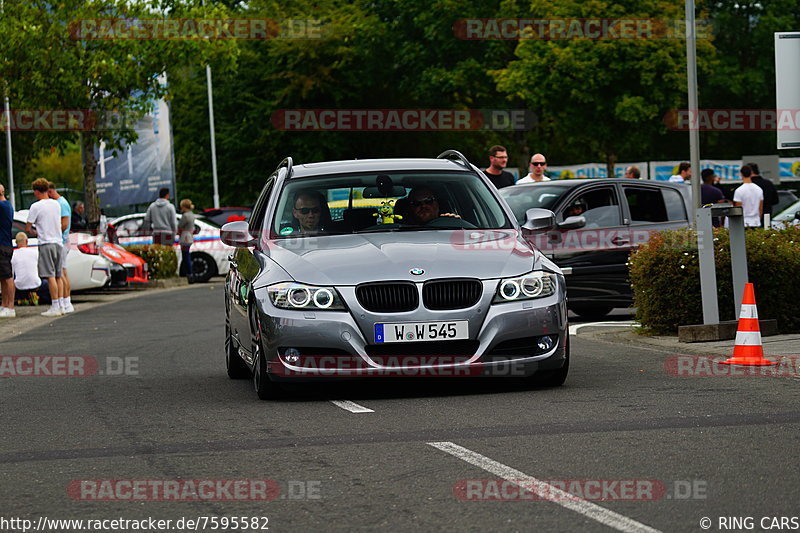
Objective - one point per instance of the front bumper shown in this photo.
(502, 341)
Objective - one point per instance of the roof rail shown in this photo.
(450, 154)
(288, 164)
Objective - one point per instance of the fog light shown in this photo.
(545, 343)
(292, 355)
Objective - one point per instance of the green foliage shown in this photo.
(665, 274)
(162, 261)
(62, 168)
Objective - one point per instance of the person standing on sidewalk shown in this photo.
(46, 214)
(538, 166)
(684, 173)
(64, 288)
(6, 251)
(162, 220)
(770, 192)
(186, 237)
(750, 197)
(498, 159)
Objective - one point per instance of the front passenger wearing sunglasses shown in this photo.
(307, 211)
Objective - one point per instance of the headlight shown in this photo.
(299, 296)
(537, 284)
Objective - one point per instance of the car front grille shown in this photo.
(388, 297)
(446, 294)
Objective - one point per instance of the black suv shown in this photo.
(599, 222)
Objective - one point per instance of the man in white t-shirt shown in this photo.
(751, 197)
(25, 263)
(538, 166)
(46, 214)
(684, 173)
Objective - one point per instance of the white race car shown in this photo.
(86, 268)
(209, 253)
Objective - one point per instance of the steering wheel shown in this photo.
(450, 222)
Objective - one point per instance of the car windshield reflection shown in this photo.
(336, 205)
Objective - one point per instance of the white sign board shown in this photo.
(787, 84)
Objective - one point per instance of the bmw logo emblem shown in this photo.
(417, 271)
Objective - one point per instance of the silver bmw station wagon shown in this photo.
(390, 267)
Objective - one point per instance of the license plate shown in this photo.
(422, 331)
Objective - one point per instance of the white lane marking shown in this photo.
(545, 490)
(573, 329)
(353, 407)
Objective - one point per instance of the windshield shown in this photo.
(392, 201)
(522, 198)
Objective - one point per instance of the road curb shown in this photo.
(785, 344)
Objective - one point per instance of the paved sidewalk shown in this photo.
(29, 317)
(774, 345)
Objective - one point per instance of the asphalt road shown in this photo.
(716, 447)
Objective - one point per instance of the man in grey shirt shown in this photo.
(162, 220)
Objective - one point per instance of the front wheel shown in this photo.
(237, 368)
(265, 388)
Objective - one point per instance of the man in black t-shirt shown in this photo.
(770, 192)
(498, 159)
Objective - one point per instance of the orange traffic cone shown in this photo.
(747, 350)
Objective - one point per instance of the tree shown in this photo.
(65, 59)
(600, 97)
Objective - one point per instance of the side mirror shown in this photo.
(538, 219)
(237, 234)
(573, 222)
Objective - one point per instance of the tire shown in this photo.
(237, 368)
(551, 378)
(591, 312)
(203, 267)
(265, 388)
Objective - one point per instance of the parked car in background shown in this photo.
(790, 216)
(785, 199)
(451, 287)
(85, 267)
(209, 254)
(135, 268)
(598, 223)
(223, 215)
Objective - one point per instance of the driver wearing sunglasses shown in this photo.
(308, 210)
(423, 206)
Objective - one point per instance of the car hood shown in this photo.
(354, 259)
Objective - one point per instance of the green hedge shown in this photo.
(162, 261)
(665, 275)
